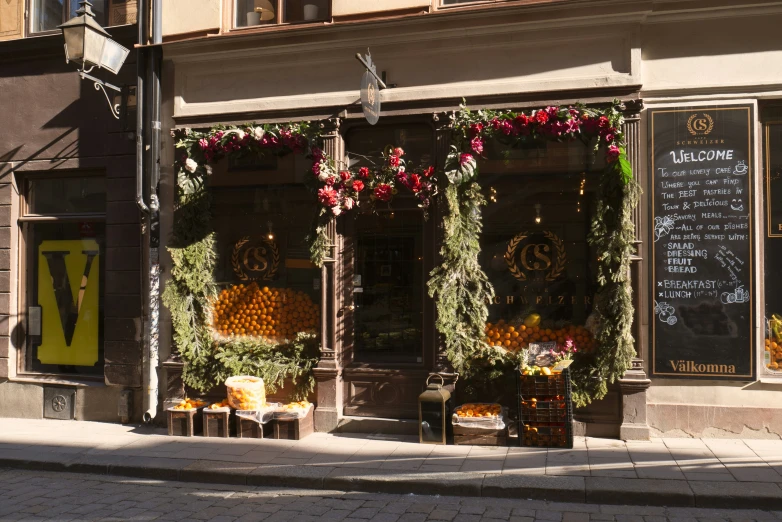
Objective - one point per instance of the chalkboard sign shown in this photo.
(701, 177)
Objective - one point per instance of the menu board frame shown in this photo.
(691, 369)
(767, 174)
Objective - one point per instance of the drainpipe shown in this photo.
(153, 178)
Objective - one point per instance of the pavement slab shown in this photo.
(593, 471)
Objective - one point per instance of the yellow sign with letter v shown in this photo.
(68, 294)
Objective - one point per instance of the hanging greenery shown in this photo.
(461, 287)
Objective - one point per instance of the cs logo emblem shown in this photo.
(700, 124)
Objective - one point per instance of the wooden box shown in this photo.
(184, 423)
(217, 423)
(479, 436)
(294, 429)
(250, 429)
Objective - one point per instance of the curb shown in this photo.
(589, 490)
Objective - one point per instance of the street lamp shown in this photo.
(90, 46)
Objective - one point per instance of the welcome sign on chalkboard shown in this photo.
(701, 176)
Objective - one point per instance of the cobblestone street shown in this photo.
(49, 496)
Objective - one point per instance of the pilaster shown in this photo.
(634, 383)
(328, 373)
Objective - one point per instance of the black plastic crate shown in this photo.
(533, 410)
(545, 409)
(560, 436)
(543, 386)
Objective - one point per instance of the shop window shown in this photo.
(534, 245)
(46, 15)
(262, 213)
(772, 353)
(250, 13)
(390, 259)
(64, 243)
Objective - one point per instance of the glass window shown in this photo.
(250, 13)
(389, 283)
(48, 14)
(269, 287)
(534, 244)
(772, 353)
(64, 195)
(64, 282)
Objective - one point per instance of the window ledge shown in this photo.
(29, 378)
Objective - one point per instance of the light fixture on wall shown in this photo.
(270, 235)
(89, 45)
(538, 219)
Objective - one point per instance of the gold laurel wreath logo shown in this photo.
(266, 275)
(510, 256)
(700, 131)
(559, 247)
(557, 267)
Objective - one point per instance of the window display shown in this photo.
(772, 348)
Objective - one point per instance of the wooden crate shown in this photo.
(250, 429)
(184, 423)
(217, 423)
(294, 429)
(479, 436)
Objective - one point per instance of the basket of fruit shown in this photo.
(184, 418)
(246, 392)
(533, 410)
(293, 410)
(543, 382)
(479, 415)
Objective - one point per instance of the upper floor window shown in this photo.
(46, 15)
(249, 13)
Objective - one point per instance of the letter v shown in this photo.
(69, 310)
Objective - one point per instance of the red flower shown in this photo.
(507, 127)
(609, 137)
(604, 122)
(358, 185)
(541, 117)
(393, 160)
(465, 158)
(477, 145)
(476, 129)
(383, 192)
(414, 183)
(327, 197)
(363, 173)
(612, 154)
(428, 172)
(344, 175)
(399, 152)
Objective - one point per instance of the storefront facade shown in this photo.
(71, 334)
(675, 76)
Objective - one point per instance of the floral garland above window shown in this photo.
(459, 285)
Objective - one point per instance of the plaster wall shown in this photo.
(355, 7)
(191, 16)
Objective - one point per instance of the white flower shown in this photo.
(401, 168)
(336, 210)
(190, 165)
(239, 134)
(348, 203)
(258, 133)
(325, 172)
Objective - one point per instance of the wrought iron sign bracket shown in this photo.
(366, 61)
(100, 85)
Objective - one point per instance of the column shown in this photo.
(635, 382)
(328, 372)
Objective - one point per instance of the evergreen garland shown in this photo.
(459, 285)
(189, 295)
(462, 287)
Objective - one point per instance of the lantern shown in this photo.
(89, 45)
(433, 412)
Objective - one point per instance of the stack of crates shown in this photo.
(545, 410)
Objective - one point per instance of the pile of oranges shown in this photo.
(775, 354)
(478, 410)
(222, 404)
(188, 404)
(276, 314)
(516, 337)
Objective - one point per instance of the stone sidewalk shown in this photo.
(713, 473)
